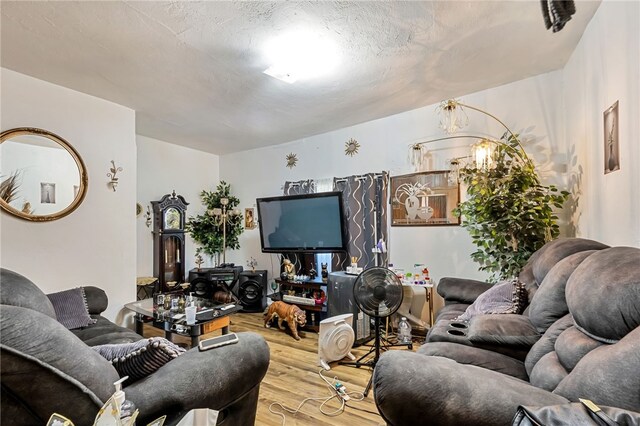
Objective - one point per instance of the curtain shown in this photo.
(307, 186)
(300, 187)
(365, 203)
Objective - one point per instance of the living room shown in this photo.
(101, 244)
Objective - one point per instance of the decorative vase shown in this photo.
(412, 204)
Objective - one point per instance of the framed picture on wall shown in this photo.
(424, 199)
(249, 218)
(611, 148)
(47, 193)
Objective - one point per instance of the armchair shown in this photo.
(46, 368)
(592, 352)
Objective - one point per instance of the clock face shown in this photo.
(172, 218)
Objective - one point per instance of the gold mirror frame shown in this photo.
(84, 179)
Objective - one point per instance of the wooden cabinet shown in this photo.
(310, 291)
(169, 218)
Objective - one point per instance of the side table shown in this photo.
(146, 287)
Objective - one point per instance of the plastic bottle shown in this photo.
(127, 408)
(404, 331)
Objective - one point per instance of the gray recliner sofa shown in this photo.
(544, 277)
(46, 368)
(592, 352)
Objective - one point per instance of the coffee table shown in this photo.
(210, 316)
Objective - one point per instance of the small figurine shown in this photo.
(312, 272)
(324, 272)
(290, 269)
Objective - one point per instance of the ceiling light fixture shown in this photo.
(300, 55)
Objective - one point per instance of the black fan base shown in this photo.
(377, 346)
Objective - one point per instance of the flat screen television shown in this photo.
(310, 223)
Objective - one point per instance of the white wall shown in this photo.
(605, 67)
(94, 244)
(162, 168)
(41, 164)
(530, 106)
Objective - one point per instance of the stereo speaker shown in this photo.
(252, 291)
(205, 282)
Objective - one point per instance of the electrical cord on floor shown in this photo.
(337, 391)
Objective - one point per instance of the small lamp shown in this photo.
(483, 153)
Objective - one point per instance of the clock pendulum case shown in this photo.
(169, 217)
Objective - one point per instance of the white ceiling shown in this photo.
(193, 71)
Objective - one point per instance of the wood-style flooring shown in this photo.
(293, 376)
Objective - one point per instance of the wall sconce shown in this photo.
(220, 216)
(147, 217)
(112, 175)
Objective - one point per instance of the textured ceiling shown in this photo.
(193, 71)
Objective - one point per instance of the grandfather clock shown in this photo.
(169, 217)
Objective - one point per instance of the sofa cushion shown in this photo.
(104, 332)
(502, 298)
(607, 375)
(556, 250)
(461, 290)
(71, 308)
(484, 358)
(141, 358)
(549, 303)
(547, 342)
(97, 300)
(510, 330)
(45, 339)
(17, 290)
(603, 293)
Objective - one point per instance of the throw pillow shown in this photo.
(141, 358)
(505, 297)
(71, 308)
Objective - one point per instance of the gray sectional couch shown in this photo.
(46, 368)
(579, 338)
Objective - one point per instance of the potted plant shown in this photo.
(220, 226)
(508, 212)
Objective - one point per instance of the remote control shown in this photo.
(216, 342)
(225, 307)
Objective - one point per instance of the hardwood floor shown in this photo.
(293, 376)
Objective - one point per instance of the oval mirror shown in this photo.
(42, 177)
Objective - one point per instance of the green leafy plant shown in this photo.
(508, 212)
(206, 229)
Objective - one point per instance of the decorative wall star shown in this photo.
(292, 159)
(351, 147)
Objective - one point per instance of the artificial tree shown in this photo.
(508, 212)
(207, 229)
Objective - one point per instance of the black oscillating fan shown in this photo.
(378, 293)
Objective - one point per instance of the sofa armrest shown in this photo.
(412, 389)
(461, 289)
(574, 413)
(214, 379)
(502, 329)
(97, 300)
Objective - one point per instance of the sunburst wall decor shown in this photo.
(351, 147)
(292, 159)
